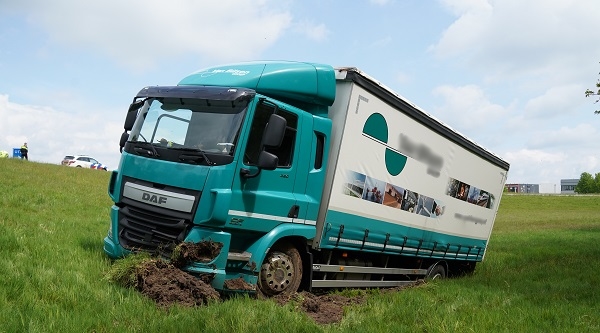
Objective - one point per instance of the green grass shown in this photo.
(541, 272)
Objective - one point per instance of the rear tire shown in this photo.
(281, 272)
(436, 272)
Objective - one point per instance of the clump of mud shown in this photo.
(168, 285)
(204, 251)
(323, 309)
(328, 308)
(239, 284)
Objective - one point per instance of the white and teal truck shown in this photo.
(307, 176)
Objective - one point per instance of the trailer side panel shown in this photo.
(398, 186)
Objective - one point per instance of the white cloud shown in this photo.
(467, 107)
(534, 156)
(512, 38)
(138, 33)
(551, 164)
(591, 164)
(468, 30)
(557, 100)
(582, 135)
(534, 57)
(536, 166)
(316, 32)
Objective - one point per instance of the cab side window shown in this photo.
(285, 152)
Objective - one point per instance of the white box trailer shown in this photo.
(401, 181)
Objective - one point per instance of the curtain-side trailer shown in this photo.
(405, 195)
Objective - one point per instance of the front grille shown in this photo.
(151, 231)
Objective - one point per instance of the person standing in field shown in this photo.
(24, 151)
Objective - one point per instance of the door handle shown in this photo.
(294, 210)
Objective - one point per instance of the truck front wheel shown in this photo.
(281, 272)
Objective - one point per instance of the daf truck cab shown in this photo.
(194, 168)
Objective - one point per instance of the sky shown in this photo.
(508, 74)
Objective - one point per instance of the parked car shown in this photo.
(84, 161)
(66, 159)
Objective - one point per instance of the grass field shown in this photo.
(541, 272)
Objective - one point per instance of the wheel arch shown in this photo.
(297, 235)
(434, 264)
(300, 243)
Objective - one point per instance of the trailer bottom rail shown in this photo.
(357, 283)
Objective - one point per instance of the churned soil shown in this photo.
(204, 251)
(328, 308)
(323, 309)
(167, 284)
(238, 284)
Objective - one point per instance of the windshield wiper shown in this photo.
(150, 152)
(194, 156)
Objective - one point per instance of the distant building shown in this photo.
(549, 188)
(522, 188)
(568, 185)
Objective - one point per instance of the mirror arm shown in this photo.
(245, 173)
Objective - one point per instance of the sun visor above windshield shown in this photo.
(210, 93)
(298, 81)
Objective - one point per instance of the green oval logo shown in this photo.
(376, 127)
(394, 162)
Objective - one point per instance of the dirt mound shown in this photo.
(238, 284)
(323, 309)
(204, 251)
(167, 285)
(327, 309)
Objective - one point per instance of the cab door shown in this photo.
(262, 202)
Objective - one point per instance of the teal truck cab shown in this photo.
(293, 169)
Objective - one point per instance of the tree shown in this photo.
(597, 183)
(596, 93)
(586, 184)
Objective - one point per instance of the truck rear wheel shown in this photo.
(436, 272)
(281, 272)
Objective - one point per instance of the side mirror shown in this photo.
(274, 131)
(272, 137)
(136, 105)
(130, 119)
(124, 138)
(267, 161)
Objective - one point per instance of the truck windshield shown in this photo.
(211, 126)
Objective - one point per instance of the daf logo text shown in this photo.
(154, 198)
